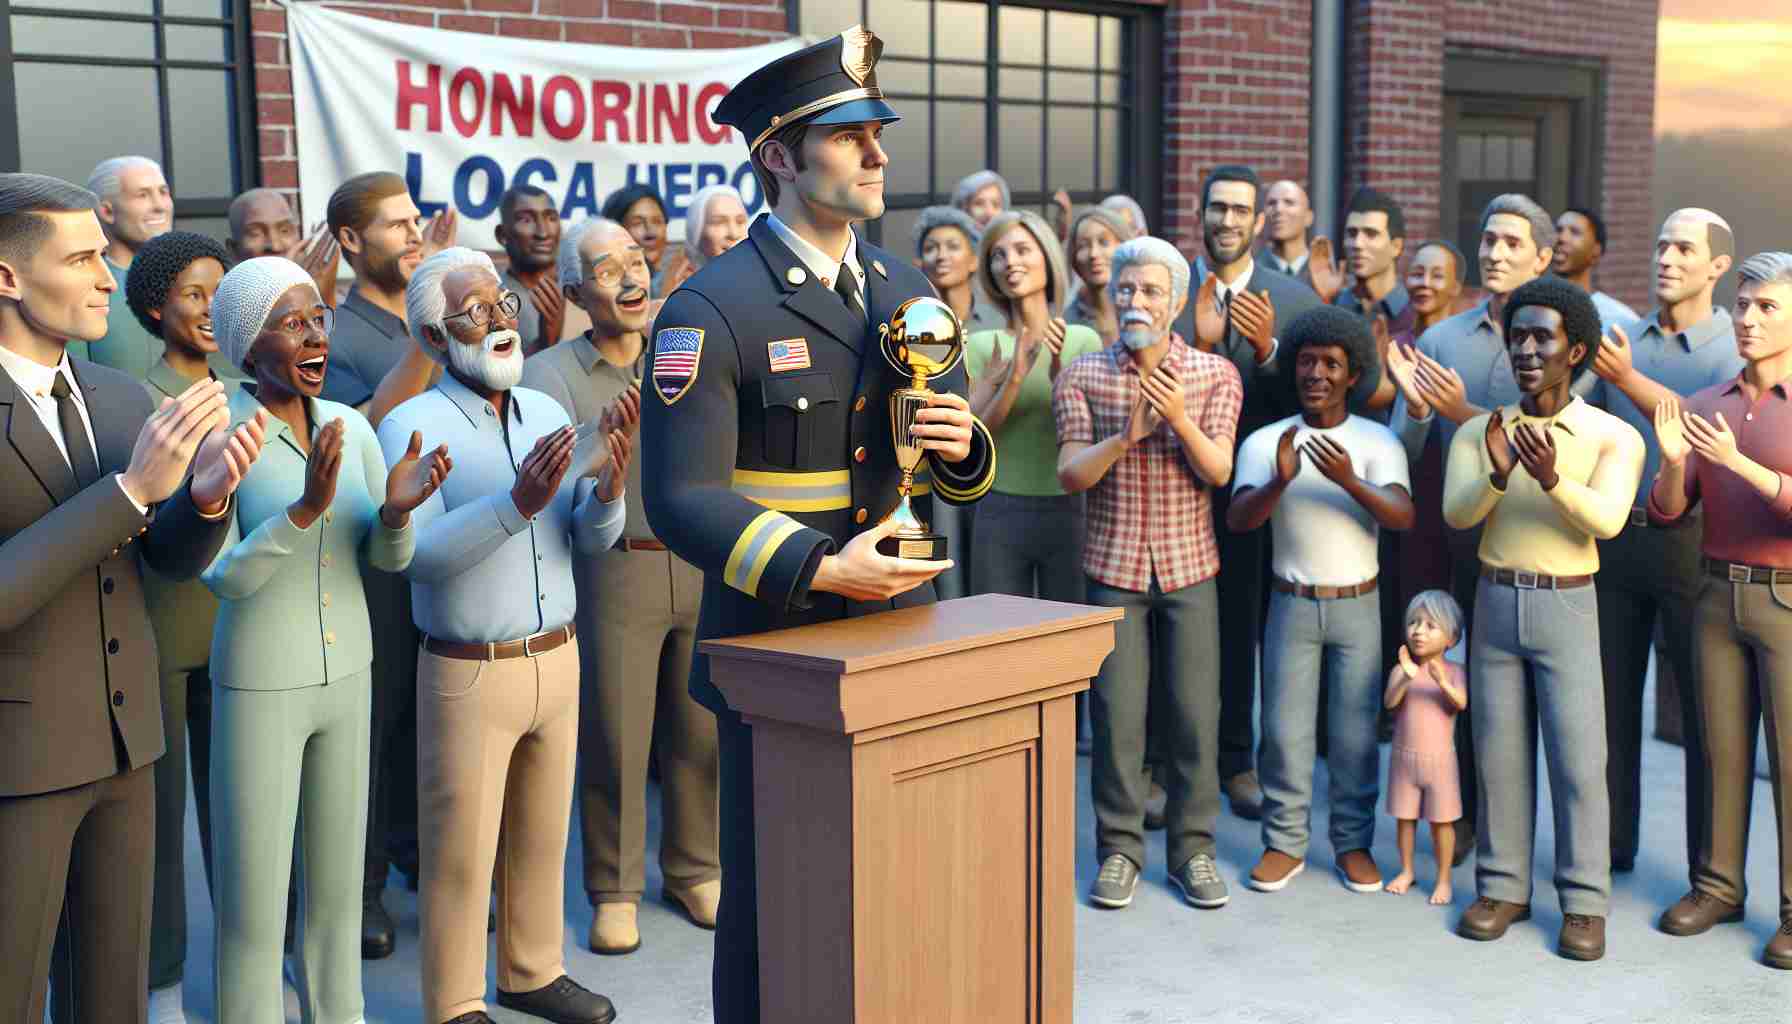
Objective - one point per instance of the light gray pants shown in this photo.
(1343, 637)
(1534, 669)
(285, 760)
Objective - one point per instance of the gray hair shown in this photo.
(1440, 608)
(1517, 204)
(425, 303)
(22, 197)
(104, 181)
(1057, 273)
(971, 184)
(569, 268)
(698, 212)
(1149, 251)
(1107, 217)
(946, 217)
(1129, 205)
(239, 207)
(1767, 268)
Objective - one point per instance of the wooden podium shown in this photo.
(915, 797)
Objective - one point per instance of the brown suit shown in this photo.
(80, 702)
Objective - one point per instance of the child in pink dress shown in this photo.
(1426, 692)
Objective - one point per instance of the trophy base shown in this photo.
(930, 547)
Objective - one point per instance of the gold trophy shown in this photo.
(923, 341)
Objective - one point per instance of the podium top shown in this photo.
(847, 646)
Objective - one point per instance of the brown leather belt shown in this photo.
(1533, 580)
(1736, 572)
(1320, 593)
(527, 647)
(626, 544)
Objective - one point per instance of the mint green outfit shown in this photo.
(292, 654)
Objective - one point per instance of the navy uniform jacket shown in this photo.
(751, 473)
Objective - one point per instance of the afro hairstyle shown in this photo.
(1330, 325)
(156, 265)
(1580, 318)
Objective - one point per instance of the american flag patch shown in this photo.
(789, 354)
(675, 354)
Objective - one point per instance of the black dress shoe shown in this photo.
(378, 937)
(563, 1001)
(476, 1017)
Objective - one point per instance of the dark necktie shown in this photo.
(74, 433)
(846, 288)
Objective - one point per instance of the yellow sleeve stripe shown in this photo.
(754, 549)
(981, 487)
(795, 492)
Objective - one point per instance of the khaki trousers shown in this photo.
(496, 747)
(1742, 646)
(637, 625)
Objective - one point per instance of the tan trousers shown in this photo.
(637, 626)
(1742, 647)
(496, 744)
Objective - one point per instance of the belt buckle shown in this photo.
(527, 651)
(1524, 580)
(1740, 573)
(1639, 517)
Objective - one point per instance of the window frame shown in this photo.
(247, 172)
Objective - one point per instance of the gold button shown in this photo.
(325, 561)
(326, 600)
(858, 454)
(330, 639)
(860, 516)
(802, 404)
(859, 406)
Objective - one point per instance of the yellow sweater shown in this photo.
(1599, 461)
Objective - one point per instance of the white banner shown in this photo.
(465, 116)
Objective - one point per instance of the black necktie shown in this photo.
(846, 288)
(74, 433)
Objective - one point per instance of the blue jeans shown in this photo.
(1342, 636)
(1534, 669)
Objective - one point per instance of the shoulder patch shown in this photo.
(675, 357)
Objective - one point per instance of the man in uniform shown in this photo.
(766, 435)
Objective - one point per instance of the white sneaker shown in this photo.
(165, 1006)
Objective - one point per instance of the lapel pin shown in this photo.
(795, 275)
(878, 265)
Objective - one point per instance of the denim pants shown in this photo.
(1167, 648)
(1534, 669)
(1304, 636)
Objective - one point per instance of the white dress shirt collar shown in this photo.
(820, 264)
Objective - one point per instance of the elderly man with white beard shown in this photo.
(498, 674)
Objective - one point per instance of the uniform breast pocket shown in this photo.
(798, 409)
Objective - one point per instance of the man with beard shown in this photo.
(1458, 370)
(767, 436)
(1235, 316)
(529, 230)
(262, 224)
(135, 206)
(497, 678)
(1548, 475)
(1649, 575)
(1580, 245)
(637, 623)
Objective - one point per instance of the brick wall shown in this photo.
(718, 23)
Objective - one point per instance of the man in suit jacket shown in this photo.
(766, 440)
(1235, 315)
(86, 458)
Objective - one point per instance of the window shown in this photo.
(167, 79)
(1050, 98)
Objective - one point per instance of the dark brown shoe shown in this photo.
(1582, 938)
(1696, 912)
(1274, 871)
(1779, 948)
(1357, 870)
(1488, 919)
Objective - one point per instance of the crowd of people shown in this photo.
(416, 573)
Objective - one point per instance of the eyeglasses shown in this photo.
(1123, 293)
(479, 314)
(608, 272)
(295, 324)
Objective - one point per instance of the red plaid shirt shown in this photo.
(1151, 516)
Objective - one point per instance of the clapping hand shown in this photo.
(550, 303)
(1210, 323)
(224, 460)
(1144, 419)
(1407, 665)
(1402, 363)
(1537, 452)
(1287, 455)
(1714, 441)
(1254, 317)
(1323, 269)
(1442, 388)
(320, 256)
(1670, 432)
(1499, 448)
(1613, 359)
(1164, 391)
(321, 468)
(538, 478)
(614, 476)
(439, 233)
(1330, 458)
(1055, 332)
(412, 480)
(624, 413)
(165, 446)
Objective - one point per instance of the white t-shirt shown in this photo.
(1322, 536)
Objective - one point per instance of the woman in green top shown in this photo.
(1029, 533)
(292, 653)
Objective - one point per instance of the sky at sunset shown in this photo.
(1723, 64)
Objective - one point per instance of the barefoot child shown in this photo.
(1426, 692)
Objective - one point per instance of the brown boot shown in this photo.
(1488, 919)
(1357, 870)
(1779, 948)
(1274, 871)
(1696, 913)
(1582, 938)
(699, 903)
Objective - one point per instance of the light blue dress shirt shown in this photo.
(482, 572)
(1611, 311)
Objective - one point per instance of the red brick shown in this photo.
(269, 50)
(273, 82)
(570, 8)
(608, 35)
(268, 21)
(446, 5)
(530, 28)
(468, 23)
(273, 112)
(660, 37)
(273, 142)
(769, 21)
(280, 173)
(687, 14)
(632, 10)
(506, 6)
(402, 17)
(704, 39)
